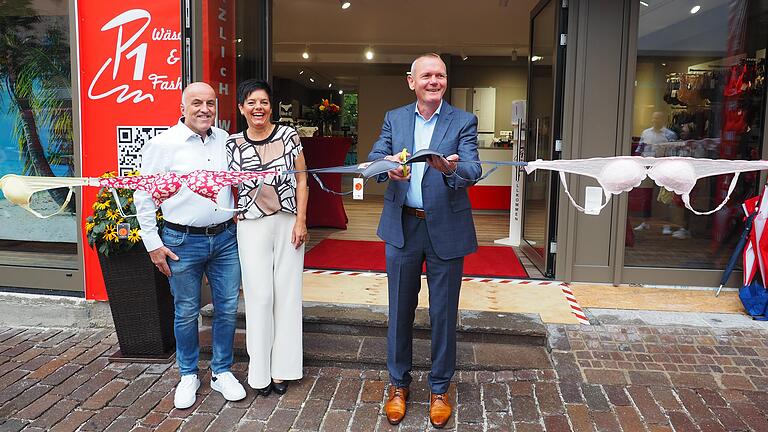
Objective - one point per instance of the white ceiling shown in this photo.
(396, 30)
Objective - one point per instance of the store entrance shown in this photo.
(353, 62)
(544, 132)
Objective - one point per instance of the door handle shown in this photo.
(536, 150)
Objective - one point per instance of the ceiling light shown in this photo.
(663, 64)
(345, 4)
(463, 55)
(239, 40)
(330, 85)
(341, 91)
(301, 72)
(536, 58)
(369, 53)
(305, 54)
(695, 9)
(311, 79)
(644, 3)
(514, 55)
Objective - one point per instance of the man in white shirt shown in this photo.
(656, 134)
(649, 139)
(197, 237)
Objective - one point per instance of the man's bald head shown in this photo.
(198, 106)
(196, 87)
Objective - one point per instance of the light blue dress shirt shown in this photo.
(422, 135)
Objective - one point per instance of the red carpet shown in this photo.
(330, 254)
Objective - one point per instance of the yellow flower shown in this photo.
(109, 174)
(159, 217)
(102, 205)
(89, 226)
(134, 235)
(130, 200)
(112, 215)
(321, 107)
(110, 233)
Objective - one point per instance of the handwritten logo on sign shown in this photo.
(126, 49)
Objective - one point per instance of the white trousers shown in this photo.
(272, 283)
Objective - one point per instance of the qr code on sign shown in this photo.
(130, 140)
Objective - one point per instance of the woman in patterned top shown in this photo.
(271, 235)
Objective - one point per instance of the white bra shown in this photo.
(623, 173)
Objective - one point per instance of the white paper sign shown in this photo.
(593, 200)
(357, 188)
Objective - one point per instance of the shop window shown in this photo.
(699, 92)
(36, 136)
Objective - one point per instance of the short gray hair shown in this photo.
(425, 55)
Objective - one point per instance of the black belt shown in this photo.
(209, 230)
(419, 213)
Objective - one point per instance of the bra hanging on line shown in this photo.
(623, 173)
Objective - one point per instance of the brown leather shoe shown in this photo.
(395, 406)
(439, 410)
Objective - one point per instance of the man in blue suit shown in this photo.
(427, 216)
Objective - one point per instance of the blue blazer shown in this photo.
(446, 203)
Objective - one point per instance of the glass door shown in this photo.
(546, 64)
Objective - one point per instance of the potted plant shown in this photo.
(326, 113)
(139, 295)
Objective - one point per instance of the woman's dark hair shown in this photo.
(251, 85)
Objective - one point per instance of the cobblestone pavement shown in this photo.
(604, 378)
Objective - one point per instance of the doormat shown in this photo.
(368, 256)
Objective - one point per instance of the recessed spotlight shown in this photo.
(663, 64)
(536, 58)
(644, 3)
(239, 40)
(695, 9)
(305, 53)
(311, 79)
(463, 55)
(345, 4)
(514, 55)
(330, 85)
(301, 72)
(369, 53)
(341, 91)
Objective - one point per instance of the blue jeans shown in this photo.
(217, 257)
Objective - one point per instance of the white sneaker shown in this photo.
(667, 230)
(681, 234)
(642, 226)
(226, 384)
(186, 392)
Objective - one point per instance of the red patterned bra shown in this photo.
(205, 183)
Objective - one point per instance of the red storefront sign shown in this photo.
(219, 55)
(129, 55)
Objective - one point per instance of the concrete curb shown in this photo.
(34, 310)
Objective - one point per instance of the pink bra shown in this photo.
(623, 173)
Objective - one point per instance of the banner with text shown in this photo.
(129, 54)
(219, 52)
